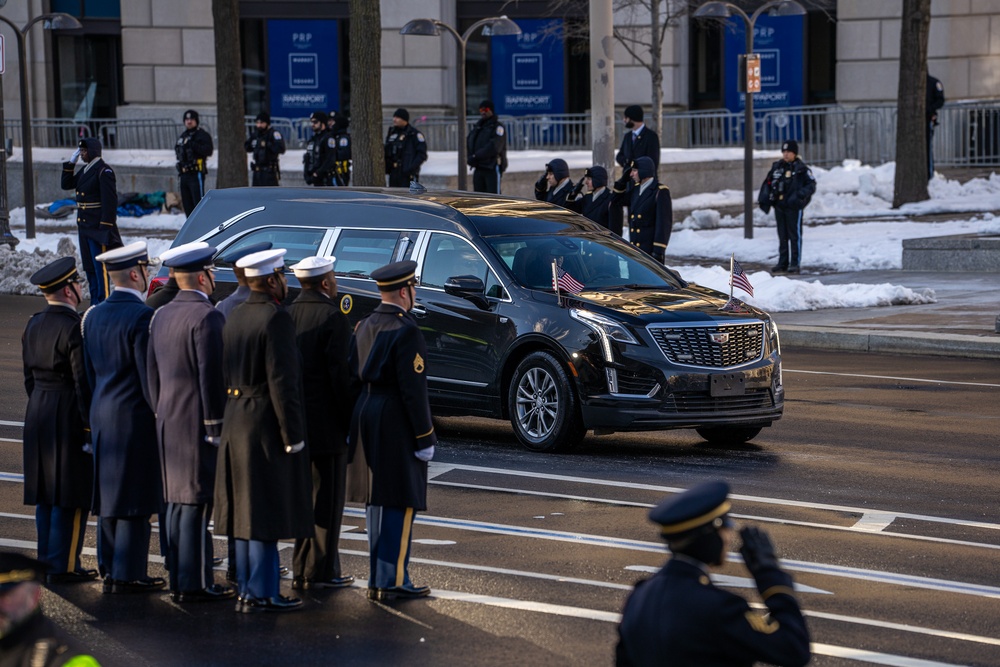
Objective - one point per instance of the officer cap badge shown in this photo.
(705, 506)
(193, 260)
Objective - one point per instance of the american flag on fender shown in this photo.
(568, 283)
(739, 279)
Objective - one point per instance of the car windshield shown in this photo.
(595, 262)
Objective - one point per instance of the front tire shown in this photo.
(543, 407)
(729, 435)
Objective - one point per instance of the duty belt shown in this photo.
(247, 391)
(265, 167)
(189, 168)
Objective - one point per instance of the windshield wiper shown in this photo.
(638, 286)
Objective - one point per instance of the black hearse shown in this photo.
(637, 348)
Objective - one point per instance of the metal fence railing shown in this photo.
(968, 133)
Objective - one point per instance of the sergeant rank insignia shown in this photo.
(418, 364)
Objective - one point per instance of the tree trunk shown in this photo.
(911, 133)
(232, 169)
(366, 93)
(656, 68)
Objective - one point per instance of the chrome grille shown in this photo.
(711, 345)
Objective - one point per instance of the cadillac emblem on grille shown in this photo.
(719, 338)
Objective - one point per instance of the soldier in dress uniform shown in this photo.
(193, 148)
(266, 145)
(405, 150)
(679, 617)
(596, 204)
(127, 490)
(337, 124)
(392, 422)
(27, 637)
(263, 482)
(97, 211)
(318, 160)
(58, 466)
(323, 334)
(166, 292)
(242, 291)
(555, 184)
(188, 394)
(650, 211)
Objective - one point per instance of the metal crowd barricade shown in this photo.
(827, 135)
(140, 133)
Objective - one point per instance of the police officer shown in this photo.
(405, 150)
(127, 489)
(638, 141)
(319, 157)
(323, 334)
(392, 421)
(934, 102)
(192, 149)
(97, 211)
(596, 204)
(555, 184)
(188, 394)
(650, 209)
(242, 290)
(266, 145)
(263, 483)
(788, 187)
(58, 468)
(166, 292)
(337, 125)
(27, 637)
(487, 150)
(679, 617)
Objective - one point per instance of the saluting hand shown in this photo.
(757, 550)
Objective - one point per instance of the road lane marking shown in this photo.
(874, 522)
(892, 377)
(6, 423)
(875, 657)
(11, 440)
(730, 581)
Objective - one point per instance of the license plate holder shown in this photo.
(727, 384)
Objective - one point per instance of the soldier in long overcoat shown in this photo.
(392, 421)
(188, 393)
(323, 334)
(650, 209)
(596, 204)
(263, 482)
(127, 488)
(58, 471)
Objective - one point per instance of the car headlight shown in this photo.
(604, 326)
(772, 335)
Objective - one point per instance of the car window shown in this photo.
(361, 251)
(300, 243)
(449, 256)
(598, 262)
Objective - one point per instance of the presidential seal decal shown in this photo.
(346, 303)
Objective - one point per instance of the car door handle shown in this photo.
(418, 310)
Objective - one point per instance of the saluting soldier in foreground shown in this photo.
(127, 490)
(188, 394)
(678, 617)
(323, 334)
(392, 421)
(262, 486)
(58, 469)
(650, 210)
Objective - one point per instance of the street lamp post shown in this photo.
(723, 10)
(497, 25)
(54, 21)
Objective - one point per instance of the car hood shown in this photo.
(690, 304)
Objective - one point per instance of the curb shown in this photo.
(891, 342)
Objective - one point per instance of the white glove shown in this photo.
(425, 454)
(296, 448)
(213, 440)
(75, 157)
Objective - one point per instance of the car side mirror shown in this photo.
(467, 287)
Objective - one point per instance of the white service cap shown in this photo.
(181, 249)
(311, 267)
(263, 263)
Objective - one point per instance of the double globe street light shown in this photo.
(495, 26)
(53, 21)
(724, 10)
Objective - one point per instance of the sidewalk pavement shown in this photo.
(962, 323)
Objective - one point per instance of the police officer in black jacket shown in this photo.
(639, 140)
(97, 211)
(555, 184)
(678, 616)
(650, 208)
(934, 102)
(596, 204)
(318, 160)
(405, 150)
(193, 149)
(266, 145)
(788, 187)
(58, 465)
(487, 150)
(337, 124)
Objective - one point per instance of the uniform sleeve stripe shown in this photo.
(426, 434)
(777, 590)
(212, 422)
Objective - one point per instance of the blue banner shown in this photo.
(780, 41)
(529, 69)
(304, 67)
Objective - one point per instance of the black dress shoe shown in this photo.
(216, 561)
(408, 591)
(298, 584)
(794, 268)
(147, 585)
(333, 582)
(779, 269)
(79, 576)
(210, 594)
(249, 605)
